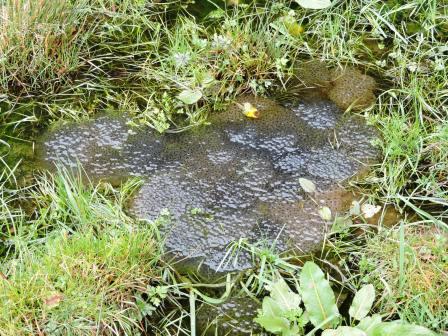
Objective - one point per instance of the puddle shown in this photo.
(236, 178)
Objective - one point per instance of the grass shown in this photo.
(79, 284)
(410, 266)
(77, 264)
(69, 60)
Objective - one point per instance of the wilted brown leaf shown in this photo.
(53, 300)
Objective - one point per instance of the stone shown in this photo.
(233, 181)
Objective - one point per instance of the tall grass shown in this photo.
(74, 263)
(40, 43)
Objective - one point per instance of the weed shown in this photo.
(409, 266)
(282, 314)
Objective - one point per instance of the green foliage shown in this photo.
(77, 264)
(39, 41)
(411, 270)
(282, 314)
(74, 283)
(73, 59)
(318, 297)
(362, 302)
(190, 97)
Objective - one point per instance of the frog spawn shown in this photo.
(235, 316)
(235, 179)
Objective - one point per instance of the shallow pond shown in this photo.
(235, 178)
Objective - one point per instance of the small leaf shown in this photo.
(355, 208)
(362, 302)
(399, 329)
(53, 300)
(190, 97)
(369, 210)
(250, 111)
(344, 331)
(325, 213)
(292, 26)
(307, 185)
(317, 295)
(314, 4)
(367, 323)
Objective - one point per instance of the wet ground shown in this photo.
(237, 178)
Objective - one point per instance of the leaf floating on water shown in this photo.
(325, 213)
(314, 4)
(250, 111)
(190, 97)
(369, 210)
(307, 185)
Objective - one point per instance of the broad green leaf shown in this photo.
(367, 323)
(270, 307)
(362, 302)
(344, 331)
(273, 324)
(284, 296)
(317, 295)
(314, 4)
(270, 317)
(307, 185)
(190, 96)
(399, 329)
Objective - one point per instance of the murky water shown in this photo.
(236, 178)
